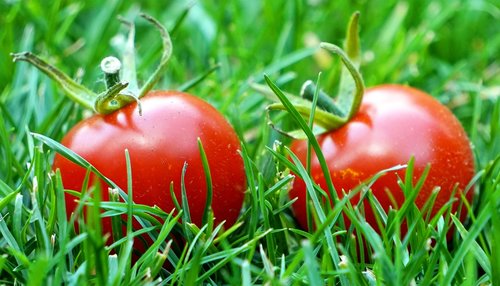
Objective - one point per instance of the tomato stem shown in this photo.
(111, 67)
(117, 94)
(114, 99)
(325, 102)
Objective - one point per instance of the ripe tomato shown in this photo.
(394, 123)
(159, 142)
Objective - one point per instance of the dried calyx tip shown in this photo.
(111, 65)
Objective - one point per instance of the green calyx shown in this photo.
(330, 114)
(118, 93)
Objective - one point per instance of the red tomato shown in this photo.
(159, 142)
(394, 123)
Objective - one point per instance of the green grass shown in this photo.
(448, 48)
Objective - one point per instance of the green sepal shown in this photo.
(348, 84)
(325, 119)
(119, 93)
(77, 92)
(330, 114)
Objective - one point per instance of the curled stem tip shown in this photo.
(351, 100)
(165, 57)
(352, 46)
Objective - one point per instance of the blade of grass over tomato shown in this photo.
(408, 209)
(208, 180)
(312, 140)
(83, 163)
(375, 241)
(186, 217)
(311, 122)
(174, 197)
(126, 249)
(309, 151)
(251, 179)
(318, 208)
(139, 211)
(75, 158)
(130, 206)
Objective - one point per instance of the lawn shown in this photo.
(230, 54)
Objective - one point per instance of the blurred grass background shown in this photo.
(449, 48)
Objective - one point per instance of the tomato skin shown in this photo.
(394, 123)
(159, 142)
